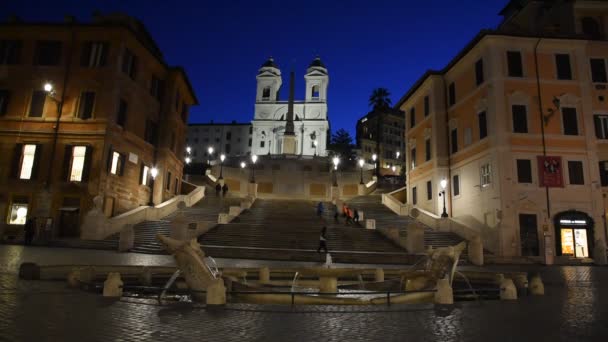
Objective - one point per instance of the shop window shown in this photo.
(18, 211)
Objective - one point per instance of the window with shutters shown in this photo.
(514, 64)
(601, 126)
(603, 172)
(452, 94)
(121, 116)
(412, 117)
(10, 52)
(77, 164)
(427, 106)
(94, 54)
(454, 140)
(479, 72)
(27, 161)
(129, 64)
(156, 88)
(37, 103)
(413, 157)
(117, 163)
(598, 70)
(5, 96)
(562, 63)
(427, 149)
(520, 119)
(414, 196)
(429, 190)
(569, 121)
(455, 185)
(486, 175)
(151, 133)
(227, 148)
(168, 185)
(483, 125)
(85, 107)
(145, 172)
(48, 52)
(575, 172)
(524, 171)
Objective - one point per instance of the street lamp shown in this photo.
(188, 149)
(444, 184)
(210, 151)
(393, 168)
(398, 154)
(153, 174)
(336, 161)
(188, 160)
(374, 157)
(222, 158)
(314, 143)
(254, 158)
(243, 164)
(361, 163)
(50, 92)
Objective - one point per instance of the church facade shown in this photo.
(309, 115)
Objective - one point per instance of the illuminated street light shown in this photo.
(336, 161)
(444, 184)
(315, 143)
(393, 168)
(48, 87)
(243, 164)
(153, 174)
(210, 152)
(361, 163)
(222, 158)
(188, 160)
(188, 149)
(254, 159)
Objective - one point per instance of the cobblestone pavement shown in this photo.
(575, 308)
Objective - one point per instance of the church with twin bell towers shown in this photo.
(298, 128)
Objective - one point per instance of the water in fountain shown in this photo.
(215, 271)
(293, 283)
(469, 284)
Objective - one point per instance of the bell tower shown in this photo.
(269, 82)
(317, 81)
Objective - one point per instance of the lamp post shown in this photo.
(222, 158)
(188, 160)
(153, 174)
(443, 184)
(374, 157)
(254, 158)
(361, 163)
(50, 92)
(336, 161)
(210, 151)
(243, 164)
(394, 168)
(314, 143)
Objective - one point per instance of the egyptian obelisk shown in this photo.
(289, 138)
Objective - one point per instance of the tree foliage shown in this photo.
(380, 99)
(342, 143)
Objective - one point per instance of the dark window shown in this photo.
(575, 171)
(151, 133)
(249, 143)
(514, 64)
(173, 142)
(601, 126)
(177, 99)
(483, 125)
(121, 116)
(454, 140)
(250, 130)
(184, 113)
(528, 235)
(414, 196)
(262, 143)
(176, 186)
(479, 72)
(427, 149)
(413, 157)
(227, 148)
(426, 106)
(168, 181)
(591, 28)
(524, 171)
(520, 119)
(37, 104)
(564, 71)
(412, 117)
(129, 64)
(94, 54)
(10, 51)
(85, 107)
(266, 93)
(456, 185)
(598, 70)
(452, 94)
(569, 121)
(48, 52)
(156, 88)
(604, 172)
(228, 135)
(5, 96)
(429, 190)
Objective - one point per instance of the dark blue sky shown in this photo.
(364, 44)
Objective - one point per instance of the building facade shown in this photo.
(86, 110)
(231, 139)
(517, 124)
(382, 134)
(310, 115)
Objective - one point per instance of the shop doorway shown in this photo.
(528, 235)
(574, 234)
(69, 219)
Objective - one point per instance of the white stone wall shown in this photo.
(202, 136)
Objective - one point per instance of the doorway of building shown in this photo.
(574, 232)
(528, 235)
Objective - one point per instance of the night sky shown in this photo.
(364, 44)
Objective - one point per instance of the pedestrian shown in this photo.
(356, 217)
(323, 240)
(29, 231)
(349, 217)
(218, 189)
(344, 210)
(336, 214)
(224, 189)
(320, 209)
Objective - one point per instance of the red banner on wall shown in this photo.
(550, 172)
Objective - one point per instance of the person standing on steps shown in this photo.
(356, 217)
(29, 231)
(336, 214)
(323, 240)
(218, 189)
(320, 209)
(224, 189)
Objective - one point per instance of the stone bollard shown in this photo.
(508, 290)
(234, 211)
(145, 277)
(328, 284)
(216, 293)
(521, 283)
(73, 279)
(223, 218)
(29, 271)
(414, 242)
(444, 293)
(361, 189)
(112, 287)
(379, 274)
(599, 253)
(537, 288)
(475, 251)
(80, 275)
(252, 189)
(264, 275)
(246, 204)
(370, 224)
(126, 238)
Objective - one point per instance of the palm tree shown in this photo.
(380, 99)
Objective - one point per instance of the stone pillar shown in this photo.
(599, 252)
(112, 287)
(361, 189)
(126, 238)
(335, 193)
(475, 251)
(264, 275)
(370, 224)
(216, 293)
(379, 275)
(537, 288)
(444, 293)
(328, 284)
(252, 189)
(415, 238)
(521, 283)
(507, 289)
(234, 211)
(223, 218)
(246, 204)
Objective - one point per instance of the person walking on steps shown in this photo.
(218, 189)
(323, 241)
(336, 214)
(349, 216)
(224, 189)
(320, 209)
(29, 231)
(356, 216)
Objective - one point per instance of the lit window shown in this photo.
(18, 213)
(144, 175)
(78, 156)
(486, 175)
(115, 163)
(27, 164)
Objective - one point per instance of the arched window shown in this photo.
(315, 92)
(591, 28)
(266, 93)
